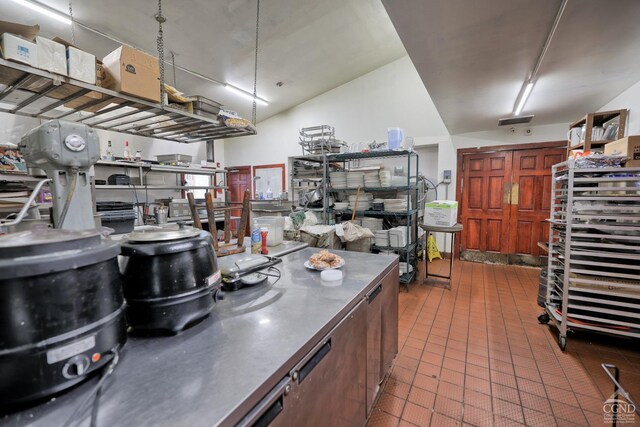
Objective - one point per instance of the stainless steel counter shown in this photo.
(216, 371)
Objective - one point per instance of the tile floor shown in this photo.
(476, 355)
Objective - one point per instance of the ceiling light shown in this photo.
(245, 94)
(523, 98)
(45, 10)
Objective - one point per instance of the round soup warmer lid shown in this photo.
(46, 251)
(162, 234)
(39, 241)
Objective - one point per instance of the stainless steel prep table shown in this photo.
(216, 371)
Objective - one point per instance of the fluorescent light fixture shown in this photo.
(245, 94)
(45, 10)
(523, 98)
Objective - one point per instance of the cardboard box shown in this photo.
(52, 56)
(441, 213)
(133, 72)
(15, 48)
(629, 146)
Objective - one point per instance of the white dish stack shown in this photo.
(398, 237)
(396, 205)
(372, 179)
(355, 179)
(338, 179)
(405, 268)
(385, 178)
(372, 224)
(364, 201)
(381, 238)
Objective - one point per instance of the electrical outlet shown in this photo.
(446, 176)
(528, 132)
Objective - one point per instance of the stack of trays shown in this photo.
(377, 205)
(364, 201)
(372, 224)
(355, 179)
(398, 237)
(338, 179)
(385, 178)
(395, 205)
(381, 238)
(372, 179)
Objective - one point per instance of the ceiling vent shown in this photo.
(515, 120)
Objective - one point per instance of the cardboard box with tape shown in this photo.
(133, 72)
(629, 146)
(17, 44)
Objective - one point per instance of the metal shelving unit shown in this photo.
(594, 251)
(407, 253)
(37, 93)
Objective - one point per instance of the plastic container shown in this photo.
(256, 239)
(275, 225)
(331, 275)
(395, 136)
(121, 221)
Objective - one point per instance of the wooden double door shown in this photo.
(505, 199)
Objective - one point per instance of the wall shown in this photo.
(630, 99)
(360, 111)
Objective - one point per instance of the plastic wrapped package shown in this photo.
(81, 65)
(51, 56)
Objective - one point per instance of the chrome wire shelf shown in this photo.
(31, 92)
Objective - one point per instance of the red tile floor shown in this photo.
(476, 355)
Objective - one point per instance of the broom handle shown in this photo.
(355, 206)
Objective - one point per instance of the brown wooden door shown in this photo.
(239, 179)
(485, 212)
(531, 199)
(505, 199)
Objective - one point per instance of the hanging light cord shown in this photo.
(255, 69)
(73, 29)
(160, 42)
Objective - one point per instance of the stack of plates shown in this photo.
(364, 201)
(395, 205)
(385, 178)
(340, 205)
(381, 238)
(338, 179)
(398, 237)
(372, 179)
(405, 268)
(377, 205)
(355, 179)
(372, 224)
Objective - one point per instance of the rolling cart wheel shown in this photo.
(543, 318)
(563, 343)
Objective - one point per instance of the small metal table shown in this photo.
(435, 229)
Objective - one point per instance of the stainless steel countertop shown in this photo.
(216, 371)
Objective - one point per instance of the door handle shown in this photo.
(269, 407)
(515, 194)
(314, 361)
(374, 293)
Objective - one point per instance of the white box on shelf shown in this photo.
(17, 49)
(441, 213)
(52, 56)
(81, 65)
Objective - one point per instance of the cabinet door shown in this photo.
(389, 323)
(329, 383)
(374, 343)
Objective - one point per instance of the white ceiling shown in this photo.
(311, 46)
(474, 55)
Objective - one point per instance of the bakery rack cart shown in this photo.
(594, 251)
